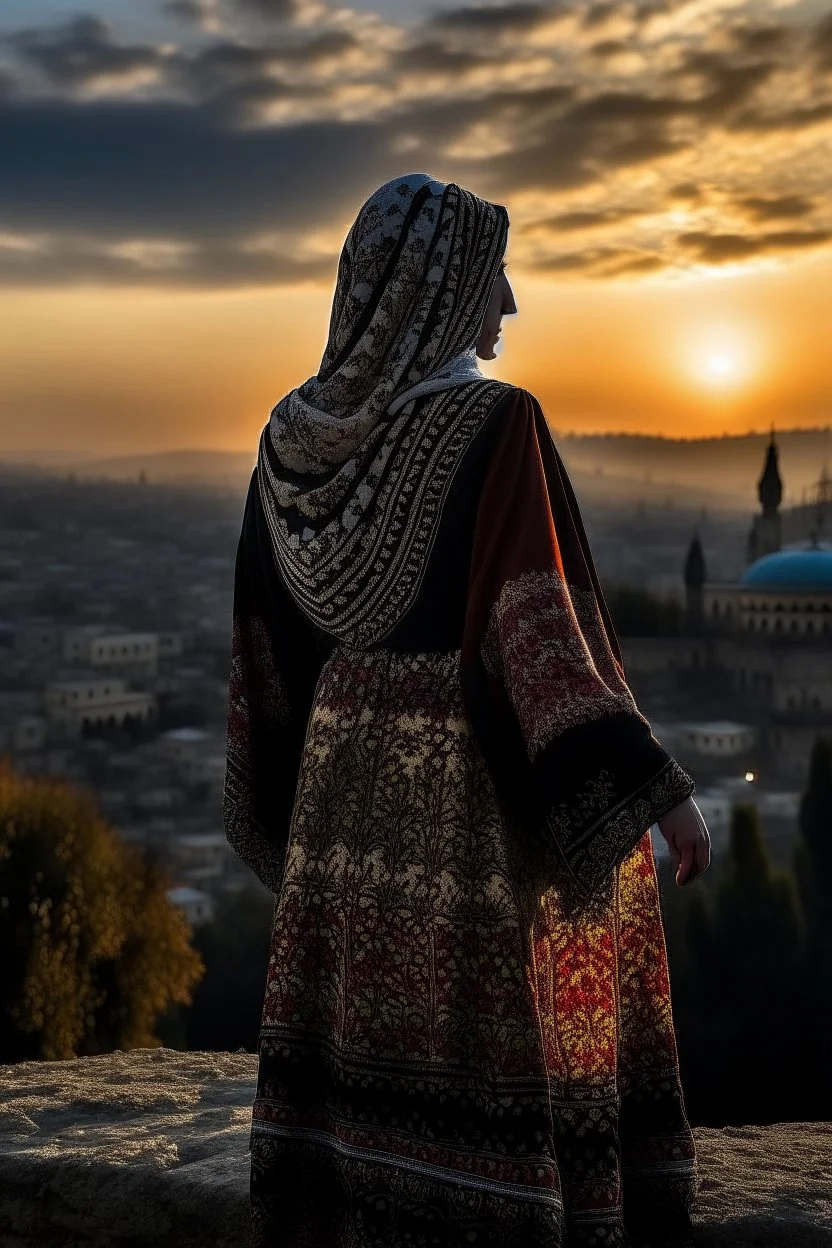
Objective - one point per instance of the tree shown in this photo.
(92, 950)
(749, 956)
(812, 861)
(813, 852)
(227, 1005)
(758, 912)
(638, 613)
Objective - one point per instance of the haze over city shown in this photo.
(177, 180)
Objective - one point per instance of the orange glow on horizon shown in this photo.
(109, 371)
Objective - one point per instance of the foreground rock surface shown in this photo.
(150, 1148)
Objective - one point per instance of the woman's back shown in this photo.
(466, 1033)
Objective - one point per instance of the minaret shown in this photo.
(694, 586)
(764, 537)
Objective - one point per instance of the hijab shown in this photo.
(354, 464)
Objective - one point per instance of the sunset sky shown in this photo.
(176, 180)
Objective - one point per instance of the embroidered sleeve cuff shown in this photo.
(597, 833)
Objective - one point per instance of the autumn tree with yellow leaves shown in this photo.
(92, 952)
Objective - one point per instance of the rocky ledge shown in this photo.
(150, 1148)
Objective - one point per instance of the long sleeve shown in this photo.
(542, 667)
(276, 658)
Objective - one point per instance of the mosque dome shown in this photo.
(804, 569)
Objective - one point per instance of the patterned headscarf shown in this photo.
(354, 464)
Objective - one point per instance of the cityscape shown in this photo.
(115, 611)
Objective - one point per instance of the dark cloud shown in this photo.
(723, 248)
(444, 120)
(608, 47)
(80, 51)
(270, 10)
(772, 208)
(821, 41)
(727, 84)
(789, 119)
(597, 14)
(122, 170)
(576, 261)
(602, 262)
(495, 19)
(434, 57)
(625, 106)
(187, 10)
(686, 193)
(762, 39)
(244, 69)
(634, 264)
(580, 146)
(209, 266)
(200, 164)
(244, 75)
(579, 220)
(557, 143)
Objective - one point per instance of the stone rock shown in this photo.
(150, 1148)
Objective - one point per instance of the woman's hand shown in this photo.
(687, 834)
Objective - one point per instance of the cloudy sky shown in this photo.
(176, 180)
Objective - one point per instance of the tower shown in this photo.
(694, 585)
(764, 537)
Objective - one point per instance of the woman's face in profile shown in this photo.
(500, 304)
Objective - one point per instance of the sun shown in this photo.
(721, 367)
(720, 357)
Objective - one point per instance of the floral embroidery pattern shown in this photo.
(494, 1083)
(546, 641)
(544, 675)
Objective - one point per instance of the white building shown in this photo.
(180, 745)
(198, 756)
(115, 650)
(722, 738)
(133, 654)
(200, 857)
(75, 705)
(76, 642)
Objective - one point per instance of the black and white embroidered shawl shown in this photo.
(355, 463)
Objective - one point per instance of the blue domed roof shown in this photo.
(801, 568)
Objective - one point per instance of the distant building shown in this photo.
(120, 651)
(76, 705)
(128, 654)
(765, 639)
(201, 857)
(76, 642)
(719, 738)
(765, 535)
(199, 757)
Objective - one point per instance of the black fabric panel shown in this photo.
(436, 618)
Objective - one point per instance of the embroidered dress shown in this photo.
(436, 765)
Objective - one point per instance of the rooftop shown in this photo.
(802, 568)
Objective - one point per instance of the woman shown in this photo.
(436, 765)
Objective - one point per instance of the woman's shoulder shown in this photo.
(516, 404)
